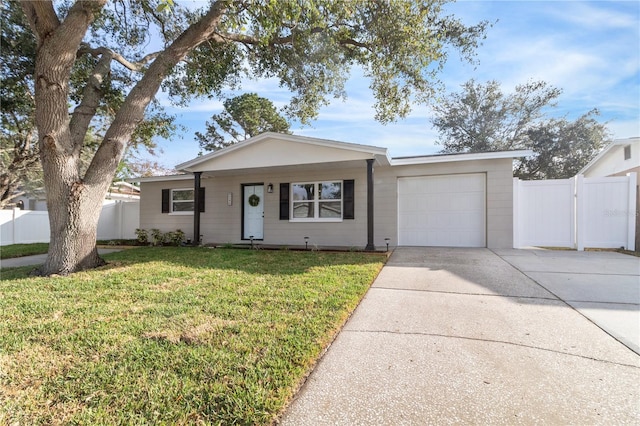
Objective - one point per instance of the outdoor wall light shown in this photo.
(306, 243)
(270, 188)
(386, 240)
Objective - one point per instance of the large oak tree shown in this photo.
(309, 46)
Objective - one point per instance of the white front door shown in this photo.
(253, 212)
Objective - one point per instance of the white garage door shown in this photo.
(447, 210)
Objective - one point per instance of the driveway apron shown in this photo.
(460, 336)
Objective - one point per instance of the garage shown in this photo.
(443, 210)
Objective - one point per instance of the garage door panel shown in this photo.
(446, 210)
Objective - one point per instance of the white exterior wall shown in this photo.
(613, 161)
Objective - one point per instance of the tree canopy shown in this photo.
(130, 49)
(19, 153)
(19, 158)
(243, 116)
(483, 118)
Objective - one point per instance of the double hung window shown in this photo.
(182, 201)
(316, 201)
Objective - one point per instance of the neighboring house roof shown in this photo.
(122, 190)
(611, 159)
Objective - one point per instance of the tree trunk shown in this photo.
(74, 207)
(74, 202)
(74, 210)
(73, 218)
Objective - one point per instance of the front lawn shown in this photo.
(172, 335)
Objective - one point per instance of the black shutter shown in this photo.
(201, 200)
(284, 201)
(166, 202)
(348, 199)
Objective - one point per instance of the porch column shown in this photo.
(196, 208)
(370, 246)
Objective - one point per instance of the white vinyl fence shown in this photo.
(118, 220)
(576, 213)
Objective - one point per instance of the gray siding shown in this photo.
(499, 197)
(151, 215)
(221, 223)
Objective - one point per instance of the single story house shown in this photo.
(286, 190)
(618, 158)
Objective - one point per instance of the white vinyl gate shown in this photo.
(576, 213)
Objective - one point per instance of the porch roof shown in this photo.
(281, 150)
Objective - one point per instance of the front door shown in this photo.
(253, 212)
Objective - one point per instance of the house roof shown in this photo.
(282, 150)
(275, 149)
(445, 158)
(183, 176)
(605, 152)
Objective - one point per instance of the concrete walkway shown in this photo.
(38, 259)
(450, 336)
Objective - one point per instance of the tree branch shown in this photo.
(249, 40)
(91, 96)
(131, 113)
(102, 51)
(42, 18)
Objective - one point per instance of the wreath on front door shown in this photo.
(254, 200)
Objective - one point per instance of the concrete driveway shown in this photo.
(602, 286)
(450, 336)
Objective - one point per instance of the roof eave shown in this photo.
(376, 152)
(449, 158)
(160, 178)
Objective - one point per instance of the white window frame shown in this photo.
(171, 201)
(316, 202)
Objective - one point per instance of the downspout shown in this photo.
(370, 245)
(196, 208)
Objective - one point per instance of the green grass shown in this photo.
(19, 250)
(172, 335)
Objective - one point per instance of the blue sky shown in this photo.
(589, 49)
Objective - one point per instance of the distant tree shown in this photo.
(482, 118)
(243, 116)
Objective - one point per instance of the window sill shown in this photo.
(181, 214)
(323, 220)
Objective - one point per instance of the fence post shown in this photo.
(120, 219)
(632, 211)
(579, 212)
(516, 212)
(13, 225)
